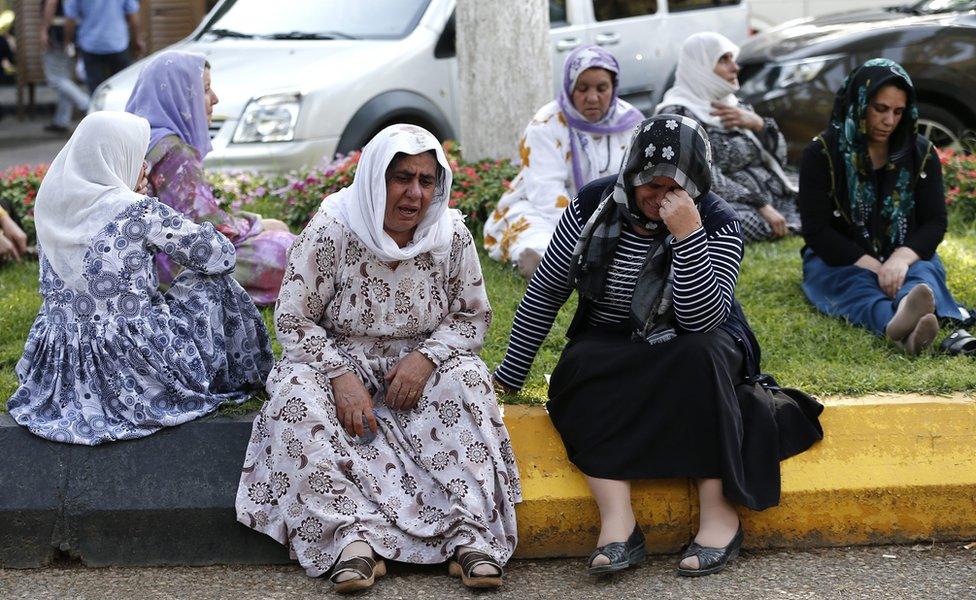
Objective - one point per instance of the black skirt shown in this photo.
(628, 410)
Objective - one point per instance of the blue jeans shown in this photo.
(854, 294)
(59, 71)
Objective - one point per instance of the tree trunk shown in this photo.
(504, 72)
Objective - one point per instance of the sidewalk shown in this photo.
(891, 469)
(26, 142)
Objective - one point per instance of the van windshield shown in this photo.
(315, 19)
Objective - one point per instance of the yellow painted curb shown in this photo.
(890, 469)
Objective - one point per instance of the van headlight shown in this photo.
(98, 99)
(269, 119)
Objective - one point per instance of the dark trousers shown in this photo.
(99, 67)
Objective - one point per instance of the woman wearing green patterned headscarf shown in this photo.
(873, 212)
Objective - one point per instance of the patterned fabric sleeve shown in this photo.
(197, 247)
(306, 291)
(463, 329)
(177, 177)
(544, 151)
(706, 268)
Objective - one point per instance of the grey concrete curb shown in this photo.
(163, 500)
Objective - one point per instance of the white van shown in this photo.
(300, 80)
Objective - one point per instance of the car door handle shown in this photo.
(567, 44)
(607, 39)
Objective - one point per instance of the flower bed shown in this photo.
(18, 188)
(296, 197)
(959, 178)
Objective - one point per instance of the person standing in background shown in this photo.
(105, 30)
(59, 61)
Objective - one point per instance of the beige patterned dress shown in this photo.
(435, 477)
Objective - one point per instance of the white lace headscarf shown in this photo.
(89, 183)
(362, 205)
(696, 85)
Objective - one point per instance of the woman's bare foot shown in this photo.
(274, 225)
(357, 548)
(922, 336)
(918, 302)
(482, 570)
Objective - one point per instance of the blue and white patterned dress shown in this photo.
(120, 359)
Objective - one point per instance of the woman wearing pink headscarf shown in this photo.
(173, 93)
(579, 137)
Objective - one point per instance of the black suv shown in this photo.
(792, 73)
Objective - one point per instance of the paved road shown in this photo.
(942, 571)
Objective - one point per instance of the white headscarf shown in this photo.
(696, 85)
(89, 183)
(362, 205)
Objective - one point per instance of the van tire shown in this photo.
(398, 106)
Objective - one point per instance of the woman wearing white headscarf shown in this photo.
(748, 151)
(382, 435)
(110, 357)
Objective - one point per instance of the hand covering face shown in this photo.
(663, 146)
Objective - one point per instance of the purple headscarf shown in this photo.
(169, 94)
(619, 117)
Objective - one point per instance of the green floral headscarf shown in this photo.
(847, 138)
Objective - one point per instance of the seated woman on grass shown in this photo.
(382, 437)
(109, 357)
(873, 211)
(748, 151)
(651, 382)
(173, 93)
(571, 141)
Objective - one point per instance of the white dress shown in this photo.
(527, 214)
(435, 477)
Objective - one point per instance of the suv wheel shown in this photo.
(940, 126)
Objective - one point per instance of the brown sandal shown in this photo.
(366, 567)
(463, 566)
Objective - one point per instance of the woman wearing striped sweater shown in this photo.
(653, 383)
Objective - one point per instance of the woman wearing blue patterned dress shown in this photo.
(110, 357)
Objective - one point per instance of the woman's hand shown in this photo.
(777, 222)
(733, 116)
(353, 403)
(868, 263)
(891, 275)
(501, 388)
(142, 186)
(679, 213)
(7, 249)
(406, 381)
(14, 234)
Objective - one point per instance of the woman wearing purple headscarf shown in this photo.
(173, 93)
(579, 137)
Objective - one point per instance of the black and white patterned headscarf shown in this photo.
(664, 145)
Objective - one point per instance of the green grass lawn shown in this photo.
(801, 347)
